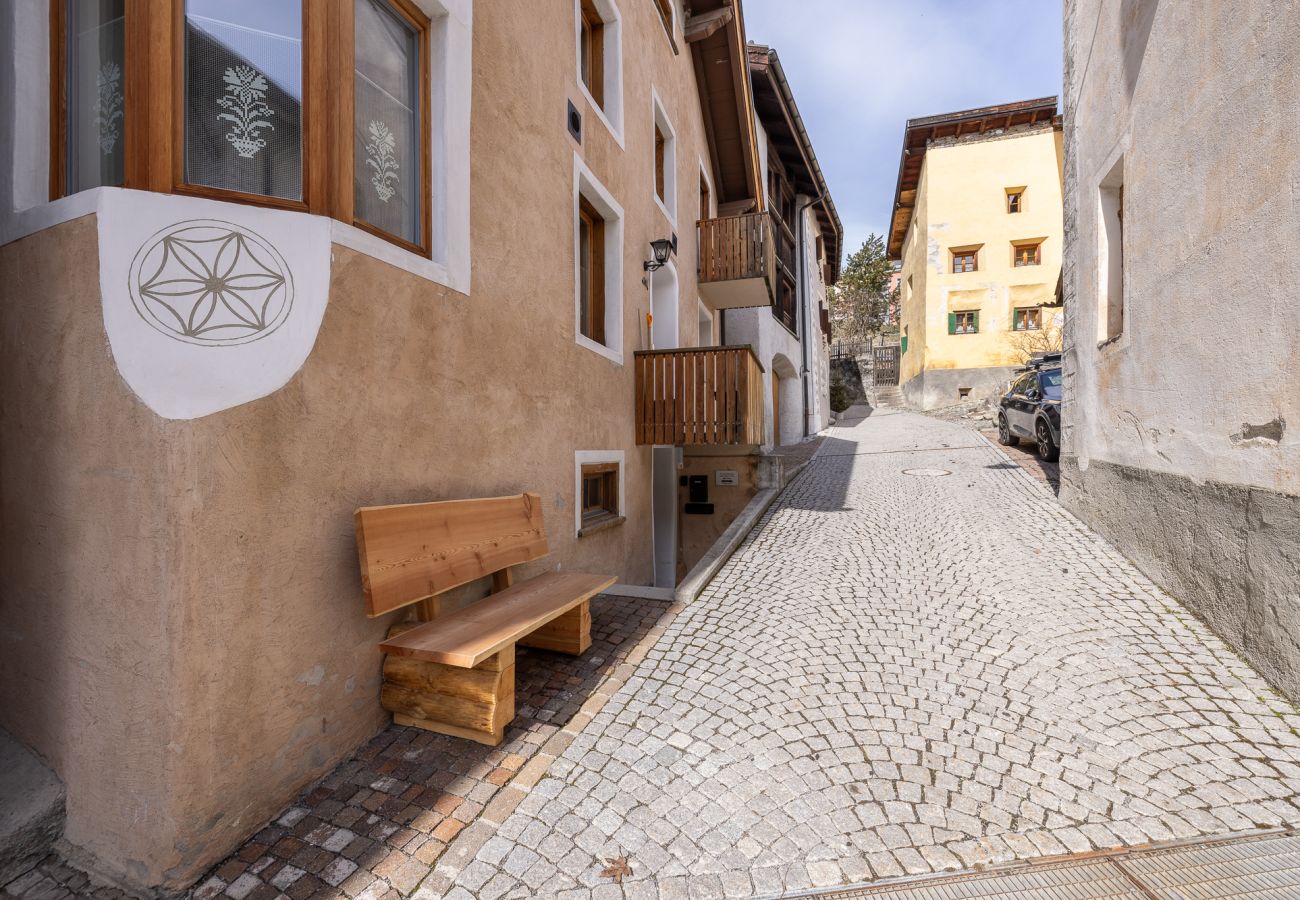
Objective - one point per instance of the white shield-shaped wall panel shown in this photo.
(209, 305)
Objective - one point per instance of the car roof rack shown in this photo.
(1040, 361)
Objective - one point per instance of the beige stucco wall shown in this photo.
(182, 633)
(960, 203)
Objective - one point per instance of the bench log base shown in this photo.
(474, 703)
(569, 633)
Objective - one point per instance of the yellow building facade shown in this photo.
(977, 225)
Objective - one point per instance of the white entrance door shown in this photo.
(665, 516)
(664, 335)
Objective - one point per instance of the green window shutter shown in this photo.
(904, 343)
(952, 323)
(975, 322)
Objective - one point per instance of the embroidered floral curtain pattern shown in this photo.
(243, 97)
(96, 113)
(387, 121)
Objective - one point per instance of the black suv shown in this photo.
(1031, 407)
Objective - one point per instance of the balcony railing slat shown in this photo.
(732, 247)
(694, 396)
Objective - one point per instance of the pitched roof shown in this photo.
(919, 132)
(777, 110)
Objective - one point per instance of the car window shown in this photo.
(1024, 383)
(1051, 383)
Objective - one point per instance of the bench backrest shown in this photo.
(416, 550)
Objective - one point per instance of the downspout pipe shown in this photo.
(803, 305)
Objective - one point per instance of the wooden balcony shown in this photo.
(737, 261)
(699, 395)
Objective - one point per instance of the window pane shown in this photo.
(243, 96)
(584, 276)
(387, 127)
(96, 115)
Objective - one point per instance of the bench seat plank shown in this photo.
(468, 636)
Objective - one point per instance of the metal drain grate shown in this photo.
(1259, 867)
(1263, 867)
(1093, 880)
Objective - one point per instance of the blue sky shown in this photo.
(859, 69)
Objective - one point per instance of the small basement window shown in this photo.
(967, 322)
(599, 494)
(1028, 319)
(965, 261)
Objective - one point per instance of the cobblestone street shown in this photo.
(917, 662)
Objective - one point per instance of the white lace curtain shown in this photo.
(387, 123)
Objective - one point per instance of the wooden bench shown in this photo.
(454, 672)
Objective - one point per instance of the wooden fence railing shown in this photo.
(735, 247)
(699, 395)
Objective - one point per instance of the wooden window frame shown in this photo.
(312, 159)
(667, 17)
(1022, 312)
(154, 106)
(1017, 248)
(592, 50)
(956, 317)
(595, 279)
(418, 21)
(59, 99)
(59, 96)
(972, 254)
(1015, 201)
(661, 172)
(606, 477)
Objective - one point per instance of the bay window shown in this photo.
(298, 104)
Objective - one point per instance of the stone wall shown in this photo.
(1182, 376)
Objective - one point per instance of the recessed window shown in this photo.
(591, 51)
(1028, 319)
(598, 265)
(665, 161)
(599, 493)
(660, 145)
(665, 8)
(88, 68)
(243, 97)
(1015, 199)
(389, 123)
(1110, 311)
(1027, 254)
(591, 272)
(967, 322)
(964, 261)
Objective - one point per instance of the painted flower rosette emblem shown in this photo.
(211, 283)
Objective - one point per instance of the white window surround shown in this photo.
(659, 119)
(24, 149)
(590, 457)
(611, 114)
(588, 188)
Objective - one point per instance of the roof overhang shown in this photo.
(774, 102)
(716, 34)
(920, 132)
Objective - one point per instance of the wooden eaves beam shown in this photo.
(706, 24)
